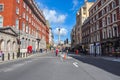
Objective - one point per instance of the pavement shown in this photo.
(29, 56)
(50, 67)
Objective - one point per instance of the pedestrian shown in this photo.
(76, 51)
(56, 51)
(0, 53)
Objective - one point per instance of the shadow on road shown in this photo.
(109, 66)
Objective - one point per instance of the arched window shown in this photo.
(8, 46)
(109, 32)
(97, 25)
(104, 33)
(114, 16)
(115, 31)
(103, 11)
(14, 46)
(108, 8)
(103, 22)
(2, 45)
(102, 2)
(108, 20)
(113, 4)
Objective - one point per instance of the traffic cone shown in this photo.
(64, 56)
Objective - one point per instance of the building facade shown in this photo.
(51, 37)
(81, 16)
(105, 27)
(86, 34)
(26, 19)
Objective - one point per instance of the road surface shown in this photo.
(50, 67)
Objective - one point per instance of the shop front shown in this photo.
(95, 48)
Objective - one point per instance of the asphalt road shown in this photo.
(50, 67)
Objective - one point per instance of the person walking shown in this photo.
(0, 53)
(57, 50)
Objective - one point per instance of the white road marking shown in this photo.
(8, 69)
(28, 61)
(75, 64)
(116, 60)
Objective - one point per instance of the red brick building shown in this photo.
(105, 27)
(86, 34)
(27, 20)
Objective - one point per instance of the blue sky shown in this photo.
(61, 14)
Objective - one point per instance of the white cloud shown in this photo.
(53, 16)
(63, 31)
(75, 3)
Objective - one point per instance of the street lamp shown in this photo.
(59, 36)
(95, 49)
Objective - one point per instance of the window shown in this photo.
(102, 2)
(104, 33)
(23, 15)
(17, 24)
(27, 29)
(108, 20)
(27, 17)
(1, 7)
(103, 22)
(114, 16)
(23, 27)
(115, 31)
(1, 21)
(18, 1)
(113, 4)
(108, 8)
(29, 20)
(97, 26)
(24, 5)
(103, 11)
(109, 32)
(84, 10)
(97, 37)
(27, 8)
(119, 2)
(17, 10)
(96, 7)
(97, 16)
(29, 11)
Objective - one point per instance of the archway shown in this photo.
(2, 44)
(8, 46)
(14, 46)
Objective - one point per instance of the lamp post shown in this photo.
(95, 49)
(59, 36)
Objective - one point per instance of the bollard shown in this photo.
(26, 54)
(13, 55)
(2, 57)
(23, 54)
(8, 56)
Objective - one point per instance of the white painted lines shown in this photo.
(117, 60)
(75, 64)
